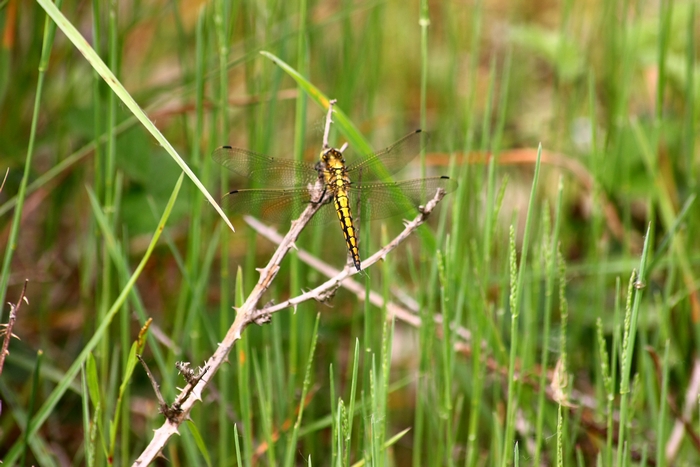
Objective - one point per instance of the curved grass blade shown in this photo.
(346, 127)
(103, 70)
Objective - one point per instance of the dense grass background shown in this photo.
(558, 301)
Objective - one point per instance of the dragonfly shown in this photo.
(360, 187)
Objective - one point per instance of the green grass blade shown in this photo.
(292, 443)
(390, 442)
(88, 445)
(661, 428)
(199, 441)
(136, 348)
(96, 62)
(342, 122)
(516, 293)
(636, 285)
(32, 401)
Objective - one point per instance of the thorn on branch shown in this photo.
(261, 317)
(171, 413)
(326, 296)
(191, 376)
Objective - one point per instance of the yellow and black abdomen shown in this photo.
(337, 181)
(342, 207)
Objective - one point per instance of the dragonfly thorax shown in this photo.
(332, 169)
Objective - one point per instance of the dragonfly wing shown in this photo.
(274, 205)
(382, 200)
(390, 160)
(269, 170)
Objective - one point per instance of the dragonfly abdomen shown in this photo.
(342, 207)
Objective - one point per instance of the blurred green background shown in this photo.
(579, 361)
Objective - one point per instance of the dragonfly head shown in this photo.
(332, 158)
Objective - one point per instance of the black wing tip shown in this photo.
(217, 153)
(232, 192)
(449, 186)
(418, 130)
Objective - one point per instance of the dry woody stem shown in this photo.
(249, 313)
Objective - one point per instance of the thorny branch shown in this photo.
(409, 316)
(248, 314)
(333, 283)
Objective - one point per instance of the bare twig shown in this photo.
(14, 309)
(334, 281)
(162, 405)
(246, 315)
(327, 130)
(336, 277)
(190, 374)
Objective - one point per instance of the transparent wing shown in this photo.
(388, 161)
(275, 205)
(367, 202)
(382, 200)
(289, 180)
(271, 171)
